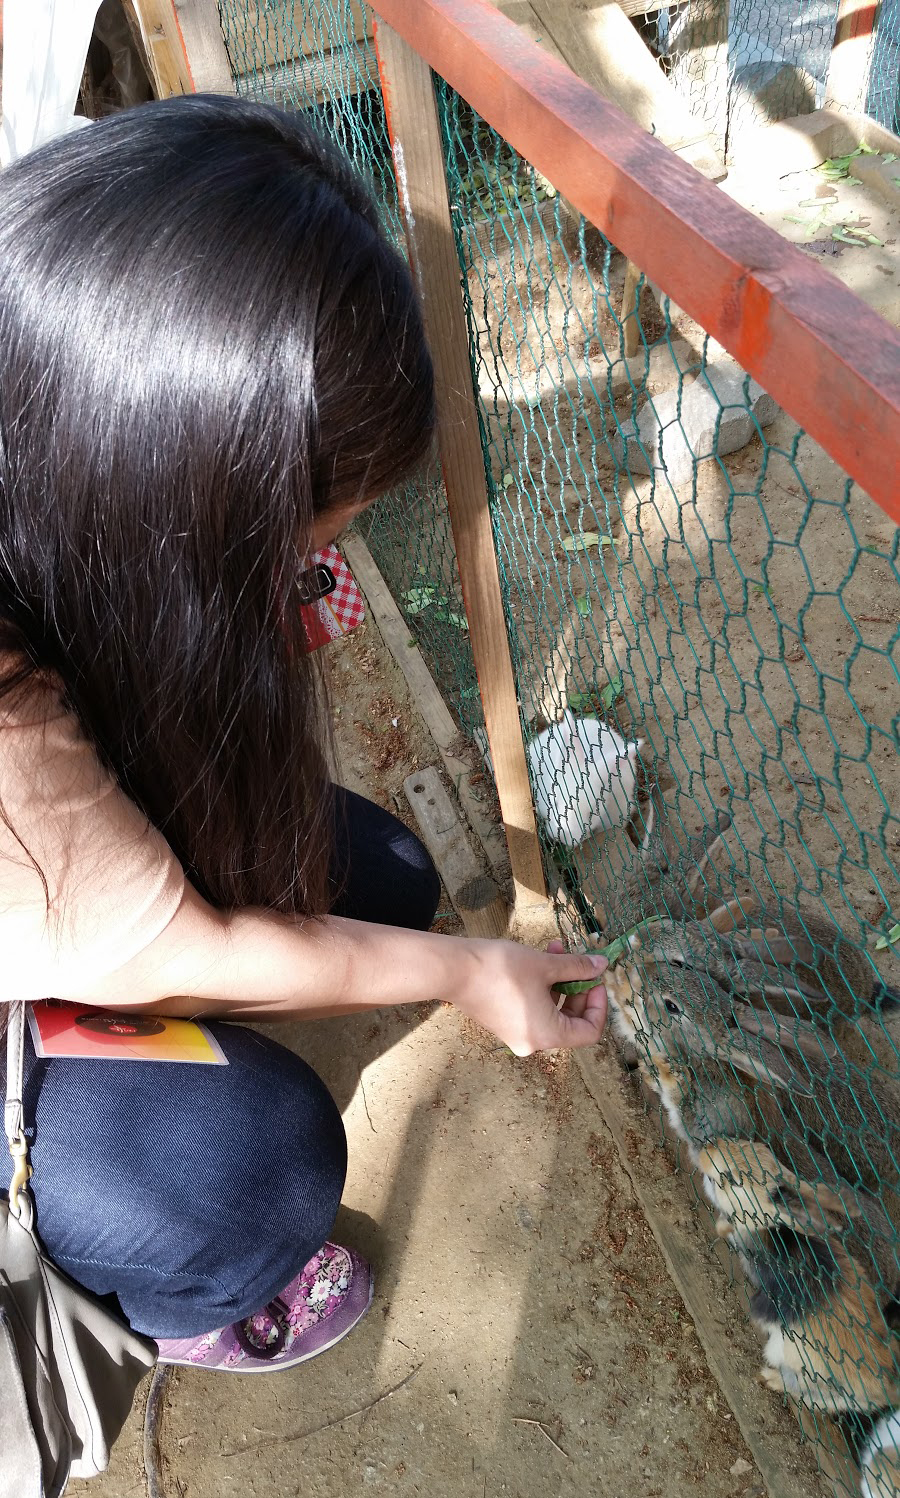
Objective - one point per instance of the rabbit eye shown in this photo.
(672, 1006)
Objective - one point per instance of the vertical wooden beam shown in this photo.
(163, 45)
(419, 163)
(848, 71)
(204, 46)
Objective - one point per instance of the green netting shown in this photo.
(883, 102)
(743, 63)
(703, 617)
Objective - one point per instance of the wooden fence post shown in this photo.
(419, 163)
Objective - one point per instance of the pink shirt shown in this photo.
(113, 882)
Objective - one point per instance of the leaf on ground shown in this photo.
(611, 691)
(844, 234)
(583, 604)
(508, 481)
(889, 156)
(891, 940)
(585, 540)
(417, 599)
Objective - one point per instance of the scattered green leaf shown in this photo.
(585, 540)
(611, 691)
(508, 481)
(891, 940)
(418, 598)
(846, 234)
(583, 604)
(889, 156)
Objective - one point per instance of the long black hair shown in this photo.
(206, 342)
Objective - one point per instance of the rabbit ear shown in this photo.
(797, 1035)
(770, 1067)
(702, 848)
(773, 946)
(725, 918)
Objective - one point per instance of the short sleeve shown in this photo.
(86, 883)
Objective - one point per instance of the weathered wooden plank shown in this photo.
(426, 697)
(473, 892)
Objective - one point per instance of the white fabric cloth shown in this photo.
(45, 44)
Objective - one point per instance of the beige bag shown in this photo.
(68, 1367)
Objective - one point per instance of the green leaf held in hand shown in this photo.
(613, 952)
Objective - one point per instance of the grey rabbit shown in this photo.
(803, 965)
(809, 1097)
(664, 875)
(820, 1261)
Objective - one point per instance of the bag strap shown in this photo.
(14, 1112)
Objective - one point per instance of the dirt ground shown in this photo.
(525, 1336)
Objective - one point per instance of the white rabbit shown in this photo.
(880, 1459)
(584, 777)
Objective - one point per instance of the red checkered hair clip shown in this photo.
(331, 604)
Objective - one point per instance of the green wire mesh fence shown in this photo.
(703, 618)
(883, 102)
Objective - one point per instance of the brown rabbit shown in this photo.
(810, 1098)
(667, 875)
(818, 1290)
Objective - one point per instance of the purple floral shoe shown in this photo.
(326, 1300)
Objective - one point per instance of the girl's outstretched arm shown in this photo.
(259, 965)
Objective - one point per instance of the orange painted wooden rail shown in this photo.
(825, 356)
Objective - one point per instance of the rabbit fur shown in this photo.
(818, 1290)
(584, 777)
(880, 1459)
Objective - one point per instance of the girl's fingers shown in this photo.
(574, 967)
(585, 1029)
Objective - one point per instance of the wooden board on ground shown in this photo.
(163, 46)
(427, 698)
(473, 892)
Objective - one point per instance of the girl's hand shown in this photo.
(507, 989)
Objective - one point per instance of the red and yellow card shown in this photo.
(59, 1029)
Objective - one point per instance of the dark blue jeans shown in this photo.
(193, 1194)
